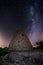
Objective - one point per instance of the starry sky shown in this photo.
(21, 14)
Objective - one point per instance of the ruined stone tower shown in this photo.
(20, 41)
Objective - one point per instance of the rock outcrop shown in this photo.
(23, 58)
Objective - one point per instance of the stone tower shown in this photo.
(20, 42)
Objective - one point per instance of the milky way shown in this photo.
(36, 32)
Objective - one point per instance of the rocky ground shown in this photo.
(23, 58)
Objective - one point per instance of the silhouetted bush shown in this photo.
(40, 44)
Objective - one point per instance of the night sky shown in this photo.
(21, 14)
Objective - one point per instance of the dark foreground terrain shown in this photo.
(34, 57)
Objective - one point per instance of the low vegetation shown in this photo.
(3, 51)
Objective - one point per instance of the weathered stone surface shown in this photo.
(20, 41)
(23, 58)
